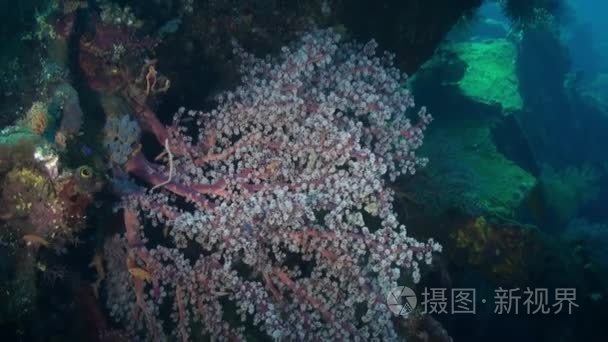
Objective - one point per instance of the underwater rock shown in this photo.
(500, 251)
(567, 191)
(66, 97)
(466, 166)
(18, 295)
(410, 29)
(481, 71)
(488, 22)
(13, 135)
(595, 90)
(472, 174)
(490, 76)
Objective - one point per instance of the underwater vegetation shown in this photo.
(259, 170)
(568, 190)
(490, 75)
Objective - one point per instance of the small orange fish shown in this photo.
(140, 273)
(31, 239)
(273, 165)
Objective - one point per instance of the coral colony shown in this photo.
(244, 170)
(275, 204)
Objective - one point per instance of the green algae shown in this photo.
(490, 75)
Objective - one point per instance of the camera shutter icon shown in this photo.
(401, 300)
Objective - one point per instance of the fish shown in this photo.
(140, 273)
(31, 239)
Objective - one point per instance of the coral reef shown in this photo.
(37, 118)
(267, 202)
(278, 211)
(43, 209)
(108, 53)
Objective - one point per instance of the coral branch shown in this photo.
(171, 167)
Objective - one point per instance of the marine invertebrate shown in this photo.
(66, 97)
(21, 188)
(269, 201)
(37, 118)
(17, 148)
(42, 208)
(35, 211)
(106, 56)
(121, 134)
